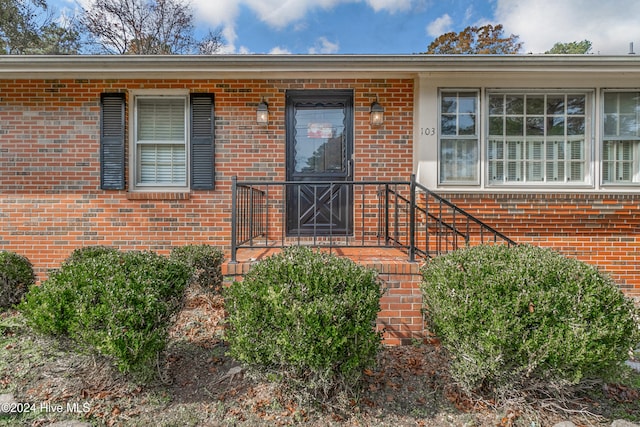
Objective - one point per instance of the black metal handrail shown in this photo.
(401, 214)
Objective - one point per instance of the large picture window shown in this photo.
(459, 137)
(537, 139)
(621, 139)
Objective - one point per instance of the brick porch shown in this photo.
(400, 316)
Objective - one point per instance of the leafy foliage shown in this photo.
(572, 48)
(485, 40)
(85, 253)
(205, 261)
(119, 304)
(526, 317)
(306, 318)
(28, 27)
(16, 276)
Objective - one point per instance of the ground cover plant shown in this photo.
(526, 318)
(306, 318)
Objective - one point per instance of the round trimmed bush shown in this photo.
(82, 254)
(523, 316)
(206, 263)
(16, 276)
(120, 304)
(307, 319)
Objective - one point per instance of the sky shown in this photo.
(409, 26)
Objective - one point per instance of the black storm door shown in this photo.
(319, 148)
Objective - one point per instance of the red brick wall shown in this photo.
(50, 197)
(601, 229)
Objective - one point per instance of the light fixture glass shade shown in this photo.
(377, 114)
(262, 113)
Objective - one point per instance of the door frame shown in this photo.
(296, 98)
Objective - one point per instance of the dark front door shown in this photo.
(319, 148)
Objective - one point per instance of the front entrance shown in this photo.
(319, 148)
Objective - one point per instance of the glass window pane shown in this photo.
(496, 150)
(629, 125)
(514, 126)
(611, 125)
(459, 160)
(448, 125)
(629, 102)
(467, 104)
(467, 123)
(611, 102)
(319, 140)
(555, 126)
(555, 105)
(514, 104)
(161, 119)
(162, 164)
(449, 103)
(575, 126)
(535, 104)
(161, 154)
(576, 104)
(496, 126)
(618, 162)
(496, 104)
(535, 126)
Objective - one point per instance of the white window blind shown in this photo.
(621, 142)
(537, 138)
(161, 141)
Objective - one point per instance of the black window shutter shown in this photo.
(202, 146)
(112, 160)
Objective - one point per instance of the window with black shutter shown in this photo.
(172, 142)
(112, 157)
(202, 146)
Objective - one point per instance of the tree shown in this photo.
(146, 27)
(28, 27)
(485, 40)
(572, 48)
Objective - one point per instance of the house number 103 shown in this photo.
(427, 131)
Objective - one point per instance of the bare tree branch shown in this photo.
(146, 27)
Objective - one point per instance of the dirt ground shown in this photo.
(201, 386)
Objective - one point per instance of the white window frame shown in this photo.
(474, 138)
(543, 162)
(634, 173)
(134, 158)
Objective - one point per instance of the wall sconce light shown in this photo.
(377, 113)
(262, 113)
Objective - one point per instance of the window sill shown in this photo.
(159, 195)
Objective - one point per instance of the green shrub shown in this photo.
(16, 276)
(307, 319)
(119, 304)
(525, 316)
(206, 262)
(82, 254)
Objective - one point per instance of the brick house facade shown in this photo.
(53, 198)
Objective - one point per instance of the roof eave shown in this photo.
(296, 66)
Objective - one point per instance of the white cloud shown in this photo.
(323, 45)
(609, 25)
(279, 51)
(391, 6)
(440, 26)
